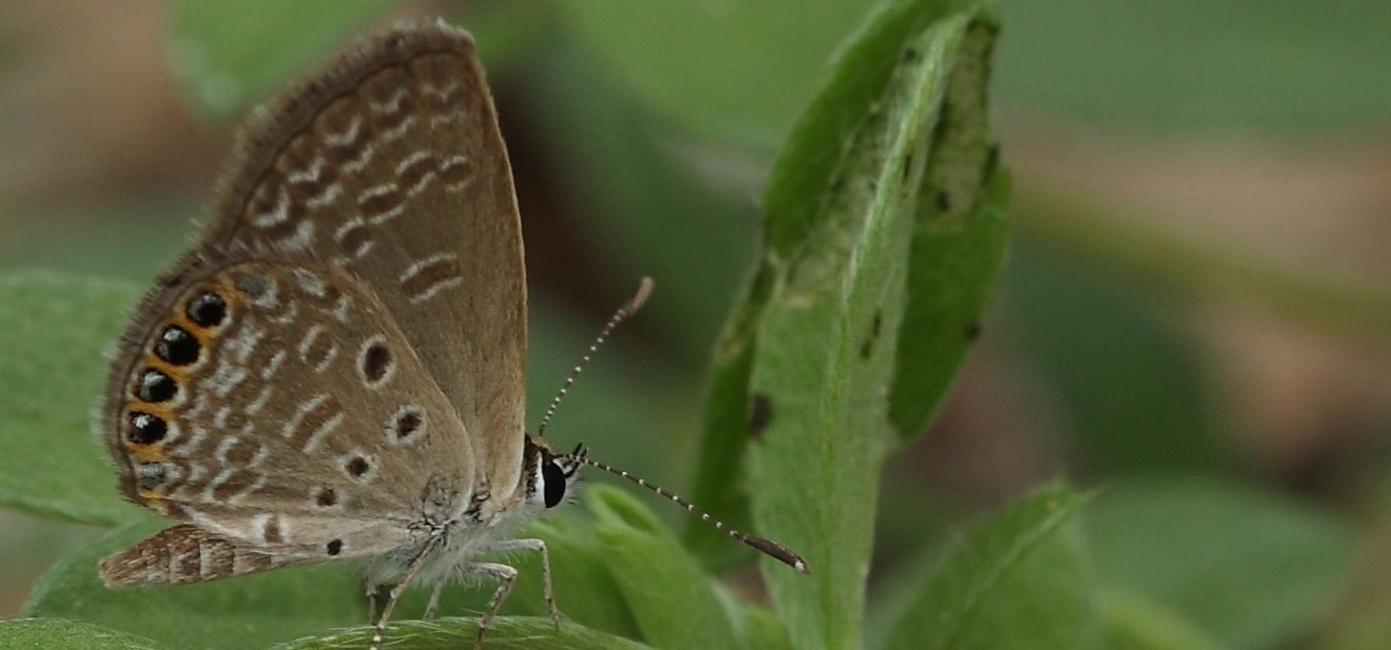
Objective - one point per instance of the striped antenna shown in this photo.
(767, 546)
(628, 309)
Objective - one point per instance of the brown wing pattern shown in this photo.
(277, 407)
(391, 166)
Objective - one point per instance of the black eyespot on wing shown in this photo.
(554, 477)
(155, 386)
(206, 310)
(334, 547)
(145, 429)
(176, 346)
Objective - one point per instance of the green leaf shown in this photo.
(68, 635)
(1247, 567)
(1044, 600)
(1018, 581)
(957, 253)
(52, 368)
(1043, 603)
(228, 56)
(247, 612)
(670, 596)
(1133, 622)
(841, 227)
(834, 268)
(454, 634)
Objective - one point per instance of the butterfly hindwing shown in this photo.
(276, 405)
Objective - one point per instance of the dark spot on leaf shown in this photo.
(973, 330)
(910, 55)
(992, 158)
(875, 325)
(760, 413)
(943, 201)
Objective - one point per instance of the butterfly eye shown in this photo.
(555, 483)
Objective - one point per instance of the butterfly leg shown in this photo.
(433, 608)
(395, 595)
(539, 547)
(506, 575)
(376, 593)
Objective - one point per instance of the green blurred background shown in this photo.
(1194, 316)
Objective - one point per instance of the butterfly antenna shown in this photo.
(767, 546)
(628, 309)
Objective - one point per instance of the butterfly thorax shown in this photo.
(545, 480)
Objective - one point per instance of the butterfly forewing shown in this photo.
(268, 402)
(391, 167)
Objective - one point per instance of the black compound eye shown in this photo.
(555, 483)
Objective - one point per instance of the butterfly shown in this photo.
(336, 369)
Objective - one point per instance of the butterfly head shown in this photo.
(550, 477)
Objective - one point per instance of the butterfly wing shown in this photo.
(391, 166)
(277, 407)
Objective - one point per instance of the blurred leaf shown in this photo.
(646, 212)
(1246, 567)
(764, 630)
(671, 598)
(1130, 385)
(248, 612)
(1044, 603)
(27, 633)
(52, 369)
(1135, 623)
(455, 634)
(1283, 66)
(228, 56)
(1018, 581)
(130, 240)
(729, 69)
